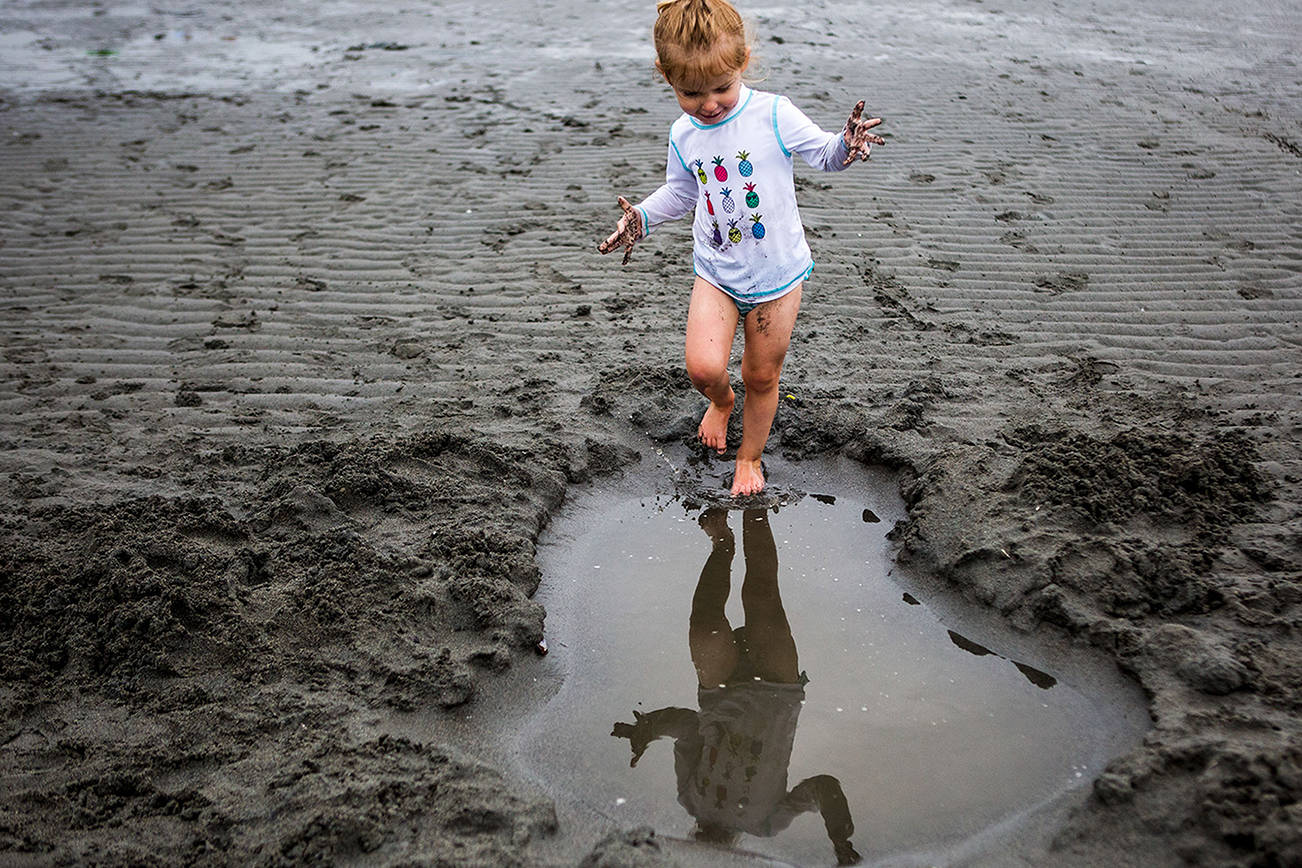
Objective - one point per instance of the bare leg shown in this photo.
(772, 650)
(709, 635)
(711, 324)
(768, 333)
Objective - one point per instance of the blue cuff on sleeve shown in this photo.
(842, 150)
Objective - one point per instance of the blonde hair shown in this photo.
(697, 40)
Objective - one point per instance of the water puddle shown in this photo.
(777, 682)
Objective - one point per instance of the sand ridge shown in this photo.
(305, 336)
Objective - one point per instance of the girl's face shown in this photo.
(709, 101)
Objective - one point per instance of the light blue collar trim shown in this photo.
(744, 96)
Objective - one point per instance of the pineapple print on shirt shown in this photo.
(751, 148)
(741, 227)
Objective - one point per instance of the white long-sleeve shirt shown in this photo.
(736, 174)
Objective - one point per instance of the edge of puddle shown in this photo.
(497, 726)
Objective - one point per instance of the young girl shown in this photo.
(730, 160)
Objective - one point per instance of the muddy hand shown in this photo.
(857, 138)
(627, 231)
(638, 735)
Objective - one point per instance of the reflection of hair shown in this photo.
(697, 40)
(713, 833)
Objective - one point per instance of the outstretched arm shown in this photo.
(858, 140)
(828, 152)
(674, 198)
(673, 722)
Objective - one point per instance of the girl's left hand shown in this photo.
(857, 138)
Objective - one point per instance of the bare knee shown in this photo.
(706, 375)
(760, 378)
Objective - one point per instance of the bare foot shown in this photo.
(714, 521)
(748, 478)
(714, 427)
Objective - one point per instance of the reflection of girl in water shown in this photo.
(731, 757)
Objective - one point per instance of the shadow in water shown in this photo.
(731, 756)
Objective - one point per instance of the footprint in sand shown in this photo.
(943, 264)
(1063, 281)
(1161, 201)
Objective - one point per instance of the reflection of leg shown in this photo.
(768, 634)
(709, 636)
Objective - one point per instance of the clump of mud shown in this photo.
(118, 590)
(1172, 499)
(1211, 483)
(193, 661)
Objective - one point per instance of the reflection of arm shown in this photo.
(674, 722)
(824, 793)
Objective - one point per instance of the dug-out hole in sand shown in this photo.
(761, 679)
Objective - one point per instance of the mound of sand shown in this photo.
(305, 338)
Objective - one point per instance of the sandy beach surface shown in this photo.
(305, 339)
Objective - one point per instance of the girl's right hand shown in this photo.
(858, 141)
(628, 231)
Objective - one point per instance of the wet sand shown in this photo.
(305, 339)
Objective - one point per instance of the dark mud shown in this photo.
(180, 672)
(298, 355)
